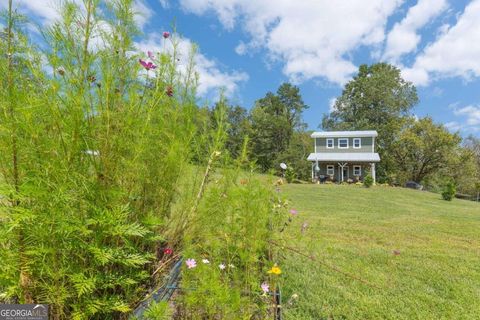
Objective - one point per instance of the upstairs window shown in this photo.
(357, 143)
(329, 143)
(343, 143)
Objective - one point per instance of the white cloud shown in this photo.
(165, 4)
(453, 126)
(403, 38)
(45, 10)
(142, 13)
(455, 52)
(212, 76)
(312, 38)
(472, 114)
(467, 118)
(241, 48)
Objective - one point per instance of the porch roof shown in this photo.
(344, 157)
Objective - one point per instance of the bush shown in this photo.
(449, 191)
(368, 181)
(290, 174)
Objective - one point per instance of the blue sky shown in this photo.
(251, 47)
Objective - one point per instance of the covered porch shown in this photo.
(341, 172)
(343, 167)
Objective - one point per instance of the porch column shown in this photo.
(372, 171)
(342, 165)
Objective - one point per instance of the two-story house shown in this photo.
(343, 155)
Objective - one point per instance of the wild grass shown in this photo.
(419, 253)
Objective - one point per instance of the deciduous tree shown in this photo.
(423, 149)
(274, 120)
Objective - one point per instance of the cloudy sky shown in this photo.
(250, 47)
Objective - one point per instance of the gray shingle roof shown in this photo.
(345, 157)
(341, 134)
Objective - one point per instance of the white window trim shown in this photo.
(340, 139)
(359, 170)
(359, 143)
(333, 143)
(330, 167)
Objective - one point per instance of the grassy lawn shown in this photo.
(436, 275)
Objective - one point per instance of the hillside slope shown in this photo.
(420, 254)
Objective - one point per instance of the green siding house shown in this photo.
(343, 155)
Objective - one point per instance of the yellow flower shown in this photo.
(275, 269)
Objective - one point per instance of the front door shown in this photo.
(345, 173)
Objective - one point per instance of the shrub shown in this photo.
(449, 191)
(290, 174)
(368, 181)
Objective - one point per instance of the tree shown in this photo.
(274, 119)
(423, 149)
(296, 154)
(291, 99)
(472, 144)
(377, 98)
(239, 128)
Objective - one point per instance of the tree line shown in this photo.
(377, 98)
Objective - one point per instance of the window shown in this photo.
(357, 143)
(343, 143)
(330, 170)
(357, 171)
(329, 143)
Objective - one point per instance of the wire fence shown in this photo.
(166, 291)
(163, 293)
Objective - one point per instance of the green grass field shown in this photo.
(436, 275)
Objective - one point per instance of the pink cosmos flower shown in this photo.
(150, 55)
(166, 34)
(191, 263)
(147, 65)
(265, 288)
(293, 212)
